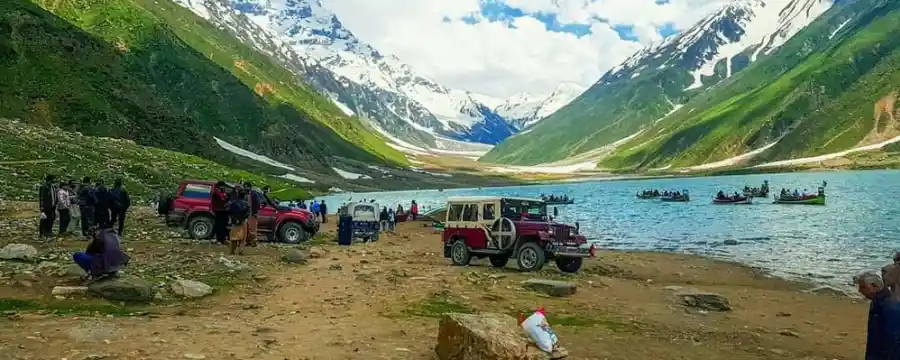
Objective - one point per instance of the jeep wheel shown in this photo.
(499, 261)
(531, 257)
(459, 253)
(201, 227)
(292, 233)
(569, 264)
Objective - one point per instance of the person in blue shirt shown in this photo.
(314, 207)
(883, 339)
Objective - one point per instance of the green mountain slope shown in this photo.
(819, 93)
(151, 71)
(146, 170)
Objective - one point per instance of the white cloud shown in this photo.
(499, 60)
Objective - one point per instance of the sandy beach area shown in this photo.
(384, 300)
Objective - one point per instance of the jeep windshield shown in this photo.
(524, 210)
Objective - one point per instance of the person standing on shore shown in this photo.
(101, 210)
(47, 201)
(87, 202)
(414, 210)
(324, 210)
(62, 206)
(883, 339)
(119, 202)
(256, 203)
(392, 219)
(314, 208)
(220, 210)
(74, 210)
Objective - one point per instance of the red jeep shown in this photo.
(503, 228)
(190, 209)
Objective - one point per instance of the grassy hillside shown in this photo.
(28, 153)
(153, 72)
(817, 94)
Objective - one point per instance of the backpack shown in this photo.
(239, 210)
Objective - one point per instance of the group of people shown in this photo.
(388, 217)
(795, 194)
(236, 211)
(91, 205)
(883, 339)
(722, 196)
(318, 209)
(555, 198)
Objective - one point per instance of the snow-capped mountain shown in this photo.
(524, 110)
(734, 36)
(310, 40)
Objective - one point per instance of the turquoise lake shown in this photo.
(858, 229)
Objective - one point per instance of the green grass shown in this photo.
(146, 170)
(153, 72)
(71, 307)
(437, 305)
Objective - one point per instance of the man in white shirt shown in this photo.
(62, 207)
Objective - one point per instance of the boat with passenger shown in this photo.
(557, 200)
(760, 192)
(676, 196)
(796, 197)
(648, 194)
(733, 199)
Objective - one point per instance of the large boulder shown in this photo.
(550, 287)
(190, 289)
(127, 288)
(704, 301)
(18, 252)
(486, 336)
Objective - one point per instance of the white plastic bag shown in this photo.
(537, 327)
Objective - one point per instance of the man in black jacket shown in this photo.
(47, 200)
(101, 217)
(119, 202)
(87, 204)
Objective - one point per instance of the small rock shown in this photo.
(550, 287)
(778, 352)
(295, 256)
(123, 289)
(485, 336)
(731, 242)
(316, 252)
(194, 356)
(191, 289)
(705, 301)
(790, 333)
(73, 270)
(335, 267)
(69, 290)
(783, 314)
(18, 252)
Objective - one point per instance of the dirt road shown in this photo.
(383, 301)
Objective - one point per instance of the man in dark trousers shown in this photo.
(87, 204)
(257, 201)
(101, 217)
(324, 210)
(47, 201)
(883, 340)
(119, 202)
(63, 204)
(220, 209)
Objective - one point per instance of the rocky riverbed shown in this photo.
(385, 300)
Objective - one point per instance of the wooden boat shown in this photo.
(683, 197)
(646, 197)
(807, 200)
(559, 202)
(740, 200)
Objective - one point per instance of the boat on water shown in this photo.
(646, 196)
(811, 199)
(760, 192)
(683, 196)
(738, 200)
(559, 202)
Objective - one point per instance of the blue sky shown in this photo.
(501, 12)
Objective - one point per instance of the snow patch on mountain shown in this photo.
(252, 155)
(524, 110)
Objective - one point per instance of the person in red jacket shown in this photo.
(414, 210)
(220, 209)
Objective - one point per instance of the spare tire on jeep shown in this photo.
(165, 203)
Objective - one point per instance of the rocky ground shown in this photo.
(384, 301)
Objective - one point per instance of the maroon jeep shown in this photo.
(501, 228)
(191, 209)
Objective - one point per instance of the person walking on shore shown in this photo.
(119, 202)
(87, 202)
(62, 206)
(101, 211)
(324, 210)
(47, 194)
(883, 339)
(392, 219)
(383, 219)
